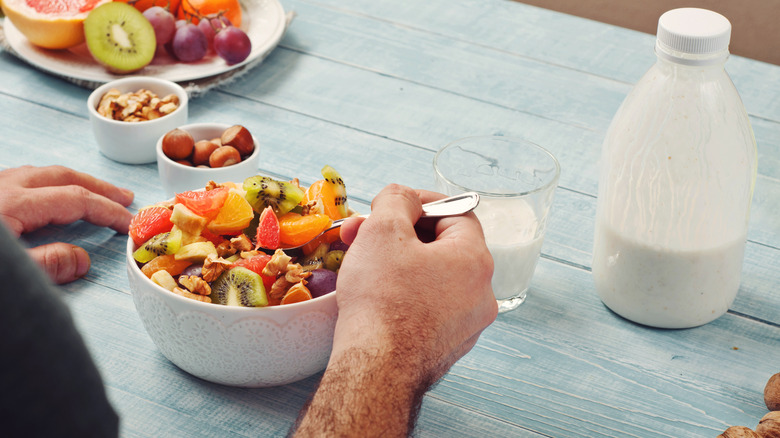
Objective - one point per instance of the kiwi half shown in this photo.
(262, 192)
(120, 37)
(239, 287)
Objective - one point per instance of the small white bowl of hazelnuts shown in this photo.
(190, 156)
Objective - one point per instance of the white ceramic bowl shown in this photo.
(177, 178)
(133, 142)
(236, 346)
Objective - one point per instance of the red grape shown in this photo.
(189, 43)
(232, 44)
(163, 22)
(321, 282)
(208, 29)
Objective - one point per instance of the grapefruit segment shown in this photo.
(267, 235)
(150, 222)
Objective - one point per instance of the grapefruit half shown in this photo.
(51, 24)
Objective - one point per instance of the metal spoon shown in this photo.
(451, 206)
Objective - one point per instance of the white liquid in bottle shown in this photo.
(678, 168)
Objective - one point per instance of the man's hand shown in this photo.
(413, 298)
(33, 197)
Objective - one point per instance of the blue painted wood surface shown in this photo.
(375, 88)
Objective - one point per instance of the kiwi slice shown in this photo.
(239, 287)
(315, 259)
(120, 37)
(333, 178)
(263, 191)
(163, 243)
(332, 260)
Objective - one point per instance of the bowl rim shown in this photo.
(132, 264)
(122, 83)
(169, 162)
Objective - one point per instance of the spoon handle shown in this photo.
(451, 206)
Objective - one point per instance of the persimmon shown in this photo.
(142, 5)
(193, 10)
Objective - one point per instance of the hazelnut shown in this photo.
(224, 156)
(769, 426)
(772, 393)
(177, 144)
(240, 138)
(202, 151)
(739, 432)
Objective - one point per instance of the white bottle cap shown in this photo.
(692, 31)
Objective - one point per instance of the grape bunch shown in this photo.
(189, 42)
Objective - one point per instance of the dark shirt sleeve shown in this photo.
(49, 385)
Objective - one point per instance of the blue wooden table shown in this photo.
(375, 88)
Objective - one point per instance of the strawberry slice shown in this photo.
(267, 230)
(204, 203)
(150, 222)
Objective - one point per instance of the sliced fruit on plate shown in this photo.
(119, 37)
(49, 24)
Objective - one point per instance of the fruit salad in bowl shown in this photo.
(217, 292)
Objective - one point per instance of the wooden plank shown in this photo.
(562, 40)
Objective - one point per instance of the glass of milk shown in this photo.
(516, 180)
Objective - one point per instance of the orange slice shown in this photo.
(323, 191)
(165, 262)
(295, 229)
(234, 216)
(296, 294)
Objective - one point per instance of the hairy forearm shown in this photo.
(364, 393)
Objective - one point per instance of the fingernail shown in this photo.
(82, 261)
(128, 193)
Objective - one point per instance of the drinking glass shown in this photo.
(516, 180)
